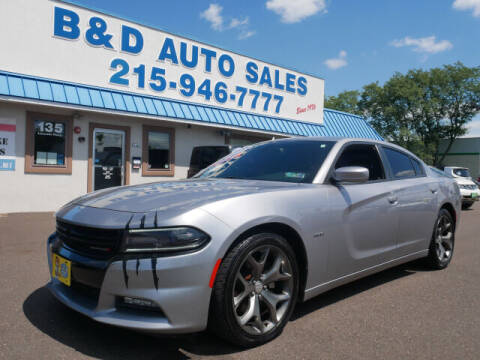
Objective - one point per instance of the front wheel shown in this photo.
(255, 290)
(443, 241)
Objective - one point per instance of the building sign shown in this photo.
(7, 144)
(101, 50)
(49, 128)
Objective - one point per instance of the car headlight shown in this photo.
(165, 240)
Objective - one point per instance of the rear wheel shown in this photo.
(443, 241)
(255, 290)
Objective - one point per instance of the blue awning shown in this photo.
(336, 123)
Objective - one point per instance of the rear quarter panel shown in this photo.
(449, 192)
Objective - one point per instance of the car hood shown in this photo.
(464, 181)
(176, 196)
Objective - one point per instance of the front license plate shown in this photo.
(62, 269)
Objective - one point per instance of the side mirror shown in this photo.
(351, 174)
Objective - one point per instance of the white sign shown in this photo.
(7, 144)
(60, 41)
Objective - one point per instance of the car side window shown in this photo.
(419, 171)
(364, 155)
(400, 164)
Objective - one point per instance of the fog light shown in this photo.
(137, 303)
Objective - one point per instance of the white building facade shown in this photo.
(89, 100)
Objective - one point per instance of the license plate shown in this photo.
(62, 269)
(474, 195)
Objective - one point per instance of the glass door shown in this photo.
(108, 158)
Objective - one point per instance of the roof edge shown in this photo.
(346, 125)
(124, 92)
(344, 112)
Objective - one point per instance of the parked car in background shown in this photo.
(235, 247)
(468, 187)
(203, 156)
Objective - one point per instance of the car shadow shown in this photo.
(358, 286)
(102, 341)
(107, 342)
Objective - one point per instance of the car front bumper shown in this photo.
(178, 285)
(469, 195)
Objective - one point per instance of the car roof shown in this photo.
(344, 140)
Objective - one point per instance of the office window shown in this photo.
(158, 151)
(48, 144)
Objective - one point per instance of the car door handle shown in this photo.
(392, 199)
(434, 190)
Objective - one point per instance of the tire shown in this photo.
(443, 241)
(260, 272)
(467, 205)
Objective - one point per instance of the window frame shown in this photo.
(386, 171)
(390, 170)
(422, 168)
(30, 166)
(170, 172)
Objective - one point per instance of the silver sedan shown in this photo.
(234, 248)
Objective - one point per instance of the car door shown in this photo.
(363, 220)
(416, 196)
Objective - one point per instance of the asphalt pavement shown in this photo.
(408, 312)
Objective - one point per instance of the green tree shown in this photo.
(459, 95)
(418, 109)
(345, 101)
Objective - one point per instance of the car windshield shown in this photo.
(288, 161)
(461, 172)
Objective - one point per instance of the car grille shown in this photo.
(87, 291)
(92, 242)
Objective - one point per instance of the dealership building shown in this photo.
(89, 100)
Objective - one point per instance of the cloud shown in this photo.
(246, 34)
(214, 16)
(292, 11)
(337, 63)
(424, 45)
(468, 5)
(234, 23)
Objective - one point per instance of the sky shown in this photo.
(348, 43)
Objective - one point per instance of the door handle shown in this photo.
(392, 200)
(434, 190)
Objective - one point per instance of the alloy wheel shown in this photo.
(444, 238)
(262, 290)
